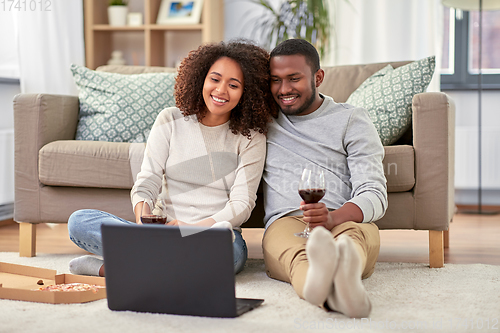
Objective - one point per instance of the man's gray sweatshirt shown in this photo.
(338, 138)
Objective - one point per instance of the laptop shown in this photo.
(153, 268)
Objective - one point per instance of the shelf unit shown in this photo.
(99, 35)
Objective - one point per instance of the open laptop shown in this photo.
(153, 268)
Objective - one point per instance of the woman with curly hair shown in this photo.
(208, 151)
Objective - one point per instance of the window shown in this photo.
(460, 65)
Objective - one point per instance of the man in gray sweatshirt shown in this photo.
(314, 131)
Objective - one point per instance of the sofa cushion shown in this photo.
(341, 81)
(120, 108)
(115, 165)
(399, 168)
(90, 163)
(388, 94)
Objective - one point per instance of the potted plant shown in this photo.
(117, 12)
(306, 19)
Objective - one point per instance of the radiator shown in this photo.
(6, 167)
(466, 158)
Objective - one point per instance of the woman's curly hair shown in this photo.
(256, 105)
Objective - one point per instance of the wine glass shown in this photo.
(311, 190)
(156, 214)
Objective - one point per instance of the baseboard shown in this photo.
(472, 208)
(469, 197)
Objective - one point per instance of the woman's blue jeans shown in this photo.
(84, 228)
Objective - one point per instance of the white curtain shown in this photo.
(48, 43)
(368, 31)
(9, 59)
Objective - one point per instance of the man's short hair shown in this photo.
(298, 46)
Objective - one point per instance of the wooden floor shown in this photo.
(473, 239)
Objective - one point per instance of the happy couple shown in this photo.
(234, 102)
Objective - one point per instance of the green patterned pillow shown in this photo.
(388, 94)
(120, 107)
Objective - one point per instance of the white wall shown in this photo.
(8, 89)
(240, 19)
(7, 92)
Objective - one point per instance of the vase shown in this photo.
(117, 15)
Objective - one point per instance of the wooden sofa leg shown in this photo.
(436, 249)
(27, 239)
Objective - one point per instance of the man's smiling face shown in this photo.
(293, 85)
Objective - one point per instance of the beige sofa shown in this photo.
(56, 175)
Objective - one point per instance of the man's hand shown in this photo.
(318, 215)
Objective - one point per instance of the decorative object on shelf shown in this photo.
(479, 5)
(179, 12)
(306, 19)
(116, 58)
(117, 12)
(134, 19)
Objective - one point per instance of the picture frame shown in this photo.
(179, 12)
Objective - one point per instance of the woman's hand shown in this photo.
(203, 223)
(137, 211)
(176, 223)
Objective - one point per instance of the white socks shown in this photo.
(86, 265)
(334, 274)
(348, 294)
(224, 225)
(322, 255)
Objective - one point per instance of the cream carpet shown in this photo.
(405, 297)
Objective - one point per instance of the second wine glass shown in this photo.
(311, 189)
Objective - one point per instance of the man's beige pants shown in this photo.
(285, 254)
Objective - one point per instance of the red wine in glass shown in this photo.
(153, 219)
(154, 212)
(313, 195)
(311, 189)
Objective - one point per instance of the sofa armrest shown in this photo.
(434, 144)
(38, 120)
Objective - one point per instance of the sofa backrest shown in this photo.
(341, 81)
(123, 69)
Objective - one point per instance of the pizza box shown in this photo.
(20, 282)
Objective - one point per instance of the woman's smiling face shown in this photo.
(222, 90)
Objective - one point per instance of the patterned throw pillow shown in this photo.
(120, 107)
(388, 94)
